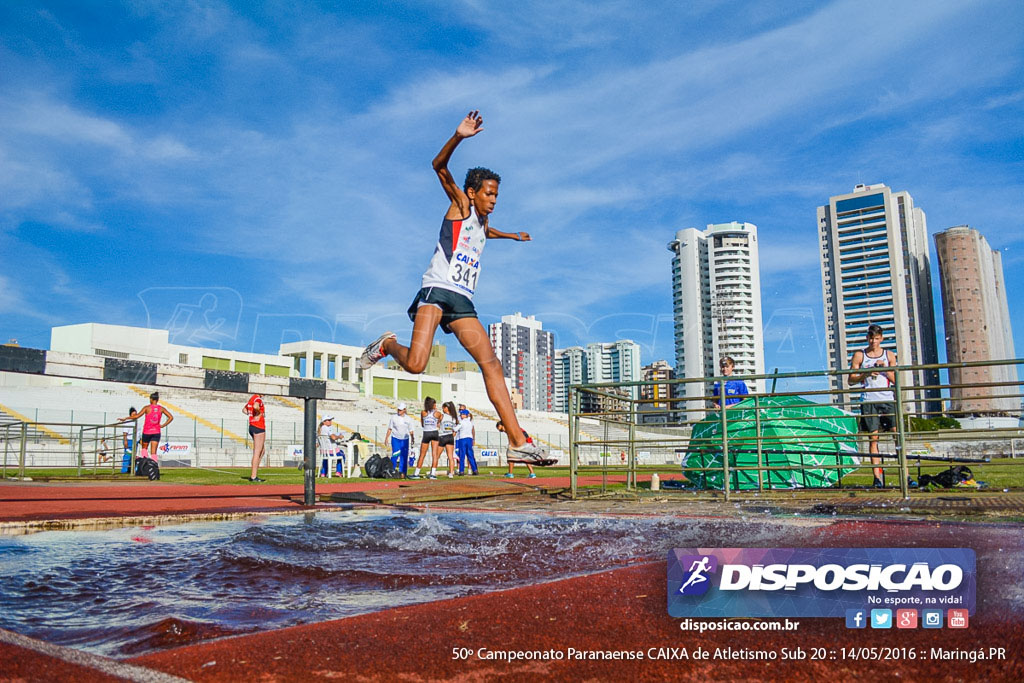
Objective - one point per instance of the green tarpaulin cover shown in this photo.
(794, 433)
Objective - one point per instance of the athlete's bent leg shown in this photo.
(413, 358)
(471, 334)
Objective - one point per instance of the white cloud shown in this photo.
(59, 122)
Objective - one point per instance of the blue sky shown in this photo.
(267, 165)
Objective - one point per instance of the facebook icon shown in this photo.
(856, 618)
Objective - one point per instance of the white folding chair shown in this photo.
(332, 453)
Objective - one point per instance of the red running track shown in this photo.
(27, 501)
(619, 610)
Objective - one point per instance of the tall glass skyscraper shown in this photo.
(876, 269)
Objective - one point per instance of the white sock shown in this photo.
(417, 472)
(433, 471)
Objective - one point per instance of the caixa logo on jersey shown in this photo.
(816, 582)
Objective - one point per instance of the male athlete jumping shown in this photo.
(446, 296)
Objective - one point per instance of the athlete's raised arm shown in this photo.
(495, 234)
(470, 126)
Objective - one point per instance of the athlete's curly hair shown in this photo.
(475, 178)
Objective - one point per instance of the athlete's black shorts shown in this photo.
(453, 306)
(147, 438)
(429, 436)
(446, 440)
(254, 430)
(877, 416)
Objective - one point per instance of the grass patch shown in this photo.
(1001, 473)
(238, 475)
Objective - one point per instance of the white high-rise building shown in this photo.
(526, 352)
(570, 368)
(617, 361)
(716, 295)
(876, 269)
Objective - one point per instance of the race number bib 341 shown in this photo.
(464, 269)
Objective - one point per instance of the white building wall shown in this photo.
(617, 361)
(526, 352)
(120, 341)
(735, 287)
(570, 368)
(143, 344)
(692, 313)
(716, 291)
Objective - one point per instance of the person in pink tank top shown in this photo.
(154, 413)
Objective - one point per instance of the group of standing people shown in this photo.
(874, 365)
(155, 418)
(449, 430)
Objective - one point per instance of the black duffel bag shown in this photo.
(379, 467)
(147, 467)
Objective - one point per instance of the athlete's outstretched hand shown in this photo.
(524, 236)
(471, 125)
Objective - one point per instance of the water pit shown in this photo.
(128, 591)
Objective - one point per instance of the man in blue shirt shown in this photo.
(735, 389)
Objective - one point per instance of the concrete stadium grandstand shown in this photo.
(73, 419)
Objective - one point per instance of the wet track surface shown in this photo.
(131, 591)
(128, 591)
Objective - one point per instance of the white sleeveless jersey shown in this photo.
(429, 422)
(876, 388)
(447, 425)
(455, 265)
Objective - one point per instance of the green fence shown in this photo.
(802, 431)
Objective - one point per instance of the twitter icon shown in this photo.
(881, 618)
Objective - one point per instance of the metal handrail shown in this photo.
(616, 406)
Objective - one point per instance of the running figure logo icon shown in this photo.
(696, 581)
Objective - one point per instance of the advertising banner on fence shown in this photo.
(175, 450)
(817, 582)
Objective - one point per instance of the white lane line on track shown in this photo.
(112, 667)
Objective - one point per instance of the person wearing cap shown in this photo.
(400, 438)
(465, 435)
(327, 429)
